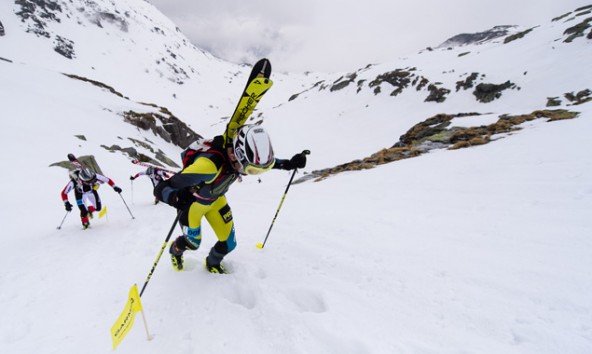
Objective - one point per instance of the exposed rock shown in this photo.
(489, 92)
(516, 36)
(433, 133)
(553, 101)
(467, 83)
(580, 97)
(161, 158)
(437, 94)
(64, 47)
(96, 83)
(476, 38)
(36, 12)
(87, 160)
(130, 151)
(360, 85)
(399, 78)
(343, 82)
(379, 158)
(100, 16)
(422, 83)
(577, 30)
(432, 127)
(163, 124)
(561, 17)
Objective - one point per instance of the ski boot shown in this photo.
(214, 268)
(91, 210)
(85, 223)
(176, 256)
(177, 262)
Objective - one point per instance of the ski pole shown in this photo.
(160, 253)
(128, 209)
(62, 223)
(132, 183)
(261, 245)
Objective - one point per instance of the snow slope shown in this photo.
(482, 250)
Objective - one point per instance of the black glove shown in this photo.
(117, 189)
(132, 178)
(182, 199)
(68, 206)
(298, 161)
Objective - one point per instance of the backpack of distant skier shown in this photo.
(200, 146)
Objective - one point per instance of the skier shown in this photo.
(199, 190)
(156, 175)
(85, 184)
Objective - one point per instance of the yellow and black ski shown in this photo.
(257, 85)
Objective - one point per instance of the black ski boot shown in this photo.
(176, 255)
(214, 262)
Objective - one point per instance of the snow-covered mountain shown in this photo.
(132, 49)
(523, 71)
(127, 45)
(484, 249)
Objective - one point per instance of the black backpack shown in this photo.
(213, 147)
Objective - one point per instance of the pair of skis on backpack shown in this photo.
(257, 85)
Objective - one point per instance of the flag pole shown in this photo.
(148, 336)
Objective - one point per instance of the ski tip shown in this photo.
(263, 66)
(71, 157)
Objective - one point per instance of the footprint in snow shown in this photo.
(307, 300)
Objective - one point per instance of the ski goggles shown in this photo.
(251, 169)
(248, 168)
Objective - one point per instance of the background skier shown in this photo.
(156, 176)
(85, 184)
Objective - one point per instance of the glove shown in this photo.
(68, 206)
(117, 189)
(132, 178)
(298, 161)
(182, 199)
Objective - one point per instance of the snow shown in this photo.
(480, 250)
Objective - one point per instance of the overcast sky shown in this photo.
(343, 35)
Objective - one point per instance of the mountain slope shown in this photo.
(477, 250)
(392, 97)
(128, 45)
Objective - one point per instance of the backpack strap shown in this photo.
(215, 152)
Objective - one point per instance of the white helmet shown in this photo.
(86, 175)
(253, 150)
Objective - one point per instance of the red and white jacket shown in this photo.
(85, 188)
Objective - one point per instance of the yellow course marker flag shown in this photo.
(126, 320)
